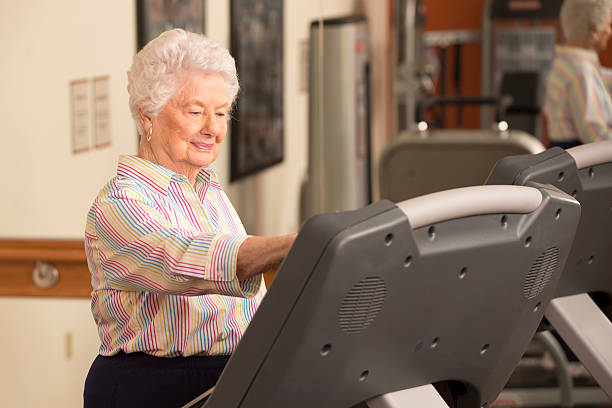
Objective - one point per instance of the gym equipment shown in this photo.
(585, 172)
(518, 38)
(373, 303)
(427, 161)
(338, 176)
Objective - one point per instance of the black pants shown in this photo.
(141, 380)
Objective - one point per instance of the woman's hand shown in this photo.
(261, 254)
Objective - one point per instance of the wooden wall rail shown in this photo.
(18, 258)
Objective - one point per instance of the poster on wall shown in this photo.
(156, 16)
(257, 46)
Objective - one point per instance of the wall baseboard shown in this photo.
(18, 259)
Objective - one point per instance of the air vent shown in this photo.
(361, 304)
(540, 273)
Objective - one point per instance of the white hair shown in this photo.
(580, 18)
(153, 77)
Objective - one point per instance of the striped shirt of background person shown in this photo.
(578, 104)
(162, 254)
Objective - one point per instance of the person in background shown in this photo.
(176, 280)
(578, 107)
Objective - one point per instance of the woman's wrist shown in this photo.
(261, 254)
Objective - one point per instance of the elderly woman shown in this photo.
(578, 106)
(175, 278)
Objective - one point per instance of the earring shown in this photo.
(150, 133)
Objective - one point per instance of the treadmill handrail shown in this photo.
(591, 154)
(502, 102)
(468, 201)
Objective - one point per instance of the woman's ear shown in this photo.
(144, 119)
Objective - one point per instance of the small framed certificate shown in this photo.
(79, 106)
(101, 110)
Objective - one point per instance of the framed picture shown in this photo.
(79, 106)
(257, 46)
(101, 111)
(156, 16)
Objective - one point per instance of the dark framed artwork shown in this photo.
(257, 46)
(156, 16)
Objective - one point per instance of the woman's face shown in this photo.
(188, 132)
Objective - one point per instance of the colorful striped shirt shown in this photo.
(578, 106)
(162, 254)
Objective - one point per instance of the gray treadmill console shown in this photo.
(586, 173)
(588, 265)
(406, 170)
(387, 298)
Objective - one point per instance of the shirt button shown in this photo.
(221, 336)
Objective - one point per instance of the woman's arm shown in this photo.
(131, 245)
(606, 74)
(261, 254)
(590, 108)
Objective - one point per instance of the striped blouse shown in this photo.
(578, 106)
(162, 255)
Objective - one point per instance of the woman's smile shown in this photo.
(203, 146)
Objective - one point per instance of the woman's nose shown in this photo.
(209, 125)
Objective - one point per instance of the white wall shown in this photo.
(54, 42)
(46, 190)
(49, 344)
(47, 348)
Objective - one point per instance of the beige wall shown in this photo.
(48, 344)
(46, 190)
(54, 42)
(47, 347)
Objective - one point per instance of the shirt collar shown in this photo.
(158, 177)
(207, 176)
(577, 53)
